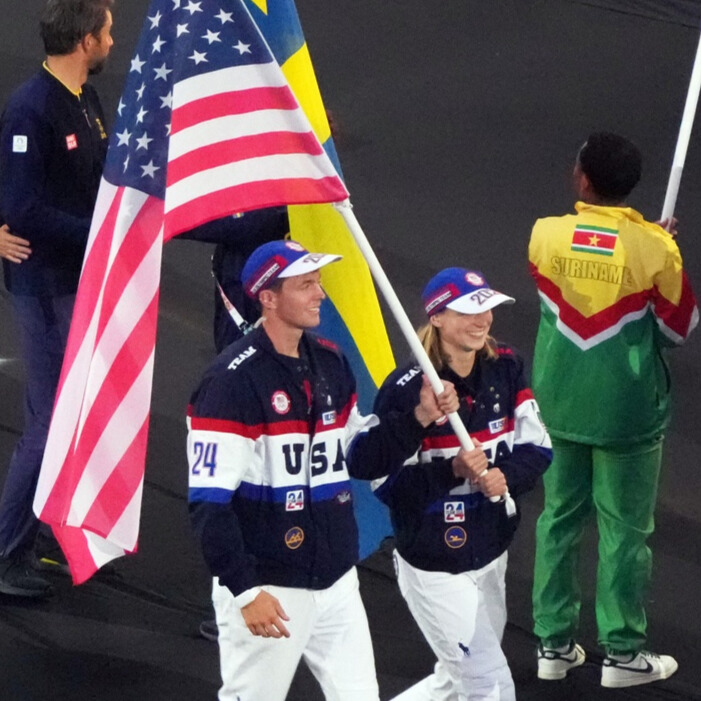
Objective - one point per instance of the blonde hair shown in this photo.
(430, 339)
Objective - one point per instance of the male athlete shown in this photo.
(614, 296)
(274, 437)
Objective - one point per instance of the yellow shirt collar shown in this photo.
(77, 93)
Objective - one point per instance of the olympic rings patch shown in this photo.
(294, 538)
(474, 279)
(455, 537)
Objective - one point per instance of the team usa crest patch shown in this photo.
(294, 538)
(71, 142)
(281, 402)
(455, 537)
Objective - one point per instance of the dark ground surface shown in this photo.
(457, 125)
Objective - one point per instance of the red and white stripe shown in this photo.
(240, 141)
(91, 479)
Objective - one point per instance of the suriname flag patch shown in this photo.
(594, 239)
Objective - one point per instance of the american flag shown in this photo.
(207, 126)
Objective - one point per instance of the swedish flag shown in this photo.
(351, 314)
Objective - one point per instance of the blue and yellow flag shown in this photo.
(351, 315)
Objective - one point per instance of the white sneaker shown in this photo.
(555, 663)
(643, 668)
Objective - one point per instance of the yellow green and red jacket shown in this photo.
(613, 295)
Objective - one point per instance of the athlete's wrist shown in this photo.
(247, 597)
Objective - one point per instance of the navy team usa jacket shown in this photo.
(443, 523)
(272, 443)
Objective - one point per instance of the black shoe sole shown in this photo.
(9, 590)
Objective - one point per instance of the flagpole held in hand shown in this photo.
(687, 122)
(378, 273)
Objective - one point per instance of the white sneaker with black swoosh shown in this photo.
(641, 668)
(555, 663)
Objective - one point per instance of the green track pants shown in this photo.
(621, 485)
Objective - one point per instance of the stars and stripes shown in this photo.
(208, 122)
(206, 126)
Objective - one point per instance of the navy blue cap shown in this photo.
(464, 291)
(280, 259)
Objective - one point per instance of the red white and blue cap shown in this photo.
(279, 259)
(462, 290)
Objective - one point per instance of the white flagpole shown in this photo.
(675, 175)
(378, 273)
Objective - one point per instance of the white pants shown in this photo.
(328, 628)
(462, 617)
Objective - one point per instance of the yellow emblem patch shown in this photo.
(455, 537)
(294, 538)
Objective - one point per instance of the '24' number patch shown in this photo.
(205, 458)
